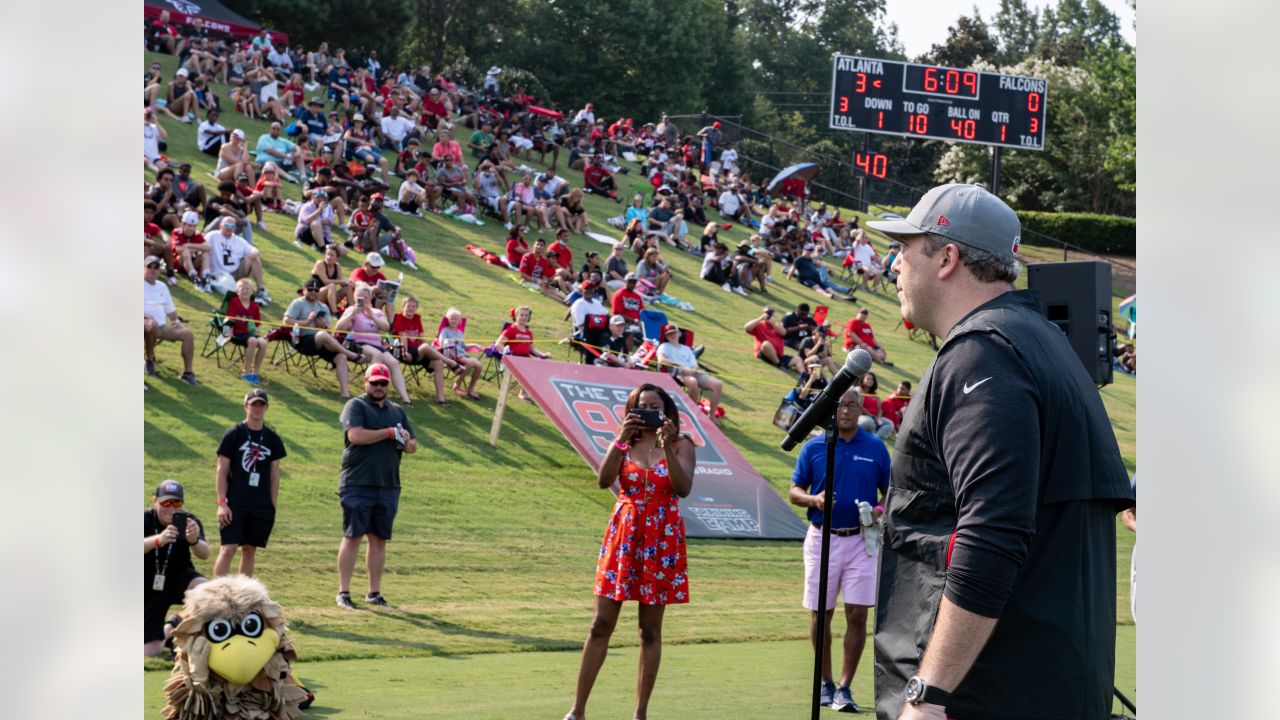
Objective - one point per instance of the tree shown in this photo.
(1078, 169)
(377, 24)
(1018, 28)
(967, 41)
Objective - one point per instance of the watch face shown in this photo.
(915, 688)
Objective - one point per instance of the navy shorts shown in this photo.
(249, 526)
(369, 510)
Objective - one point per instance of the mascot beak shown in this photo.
(239, 659)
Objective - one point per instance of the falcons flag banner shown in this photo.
(729, 500)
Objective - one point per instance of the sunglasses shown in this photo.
(379, 383)
(154, 266)
(171, 503)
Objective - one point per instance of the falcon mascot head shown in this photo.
(232, 656)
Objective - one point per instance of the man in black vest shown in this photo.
(997, 580)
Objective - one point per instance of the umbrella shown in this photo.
(544, 111)
(1129, 308)
(802, 171)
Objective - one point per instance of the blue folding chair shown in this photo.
(651, 324)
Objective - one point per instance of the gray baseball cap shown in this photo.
(964, 213)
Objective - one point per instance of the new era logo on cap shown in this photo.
(943, 221)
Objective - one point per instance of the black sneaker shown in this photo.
(151, 367)
(190, 379)
(376, 600)
(344, 601)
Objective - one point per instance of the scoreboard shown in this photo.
(934, 102)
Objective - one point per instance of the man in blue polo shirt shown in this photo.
(862, 470)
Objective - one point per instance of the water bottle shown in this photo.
(297, 333)
(864, 513)
(395, 349)
(400, 279)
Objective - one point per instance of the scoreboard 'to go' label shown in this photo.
(891, 97)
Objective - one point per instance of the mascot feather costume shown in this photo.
(232, 657)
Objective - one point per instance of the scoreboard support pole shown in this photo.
(995, 169)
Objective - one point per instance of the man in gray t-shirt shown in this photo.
(310, 316)
(376, 432)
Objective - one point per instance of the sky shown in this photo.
(924, 23)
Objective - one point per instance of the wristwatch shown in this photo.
(918, 691)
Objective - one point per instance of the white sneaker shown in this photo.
(740, 291)
(411, 264)
(262, 225)
(725, 287)
(509, 225)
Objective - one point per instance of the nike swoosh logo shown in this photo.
(969, 388)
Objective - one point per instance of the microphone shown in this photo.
(856, 364)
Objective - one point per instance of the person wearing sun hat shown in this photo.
(376, 433)
(1009, 438)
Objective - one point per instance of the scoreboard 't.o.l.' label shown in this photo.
(934, 102)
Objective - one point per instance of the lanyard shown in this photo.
(168, 552)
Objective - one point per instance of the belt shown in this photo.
(841, 532)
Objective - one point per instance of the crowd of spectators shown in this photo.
(355, 133)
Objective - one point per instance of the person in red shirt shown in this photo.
(188, 247)
(626, 301)
(858, 333)
(873, 418)
(894, 406)
(406, 329)
(369, 274)
(768, 334)
(364, 232)
(516, 246)
(535, 267)
(517, 339)
(433, 109)
(268, 188)
(241, 309)
(560, 251)
(153, 239)
(597, 178)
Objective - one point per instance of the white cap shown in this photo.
(237, 133)
(183, 72)
(358, 116)
(375, 259)
(190, 217)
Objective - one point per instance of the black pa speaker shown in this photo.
(1076, 296)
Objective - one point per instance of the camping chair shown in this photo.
(914, 333)
(493, 359)
(217, 344)
(590, 338)
(651, 324)
(284, 354)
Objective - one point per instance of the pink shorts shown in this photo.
(851, 571)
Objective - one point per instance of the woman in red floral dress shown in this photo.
(643, 554)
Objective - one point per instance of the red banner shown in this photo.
(729, 498)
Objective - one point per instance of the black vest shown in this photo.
(1052, 654)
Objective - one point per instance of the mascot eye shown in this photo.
(218, 630)
(251, 625)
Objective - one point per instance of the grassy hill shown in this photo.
(495, 547)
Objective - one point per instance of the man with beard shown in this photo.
(376, 433)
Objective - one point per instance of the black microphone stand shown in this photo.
(828, 499)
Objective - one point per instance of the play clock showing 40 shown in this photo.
(941, 103)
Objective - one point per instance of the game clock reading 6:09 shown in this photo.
(934, 102)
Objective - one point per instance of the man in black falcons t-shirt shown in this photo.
(248, 485)
(997, 594)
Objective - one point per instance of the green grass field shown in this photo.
(495, 547)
